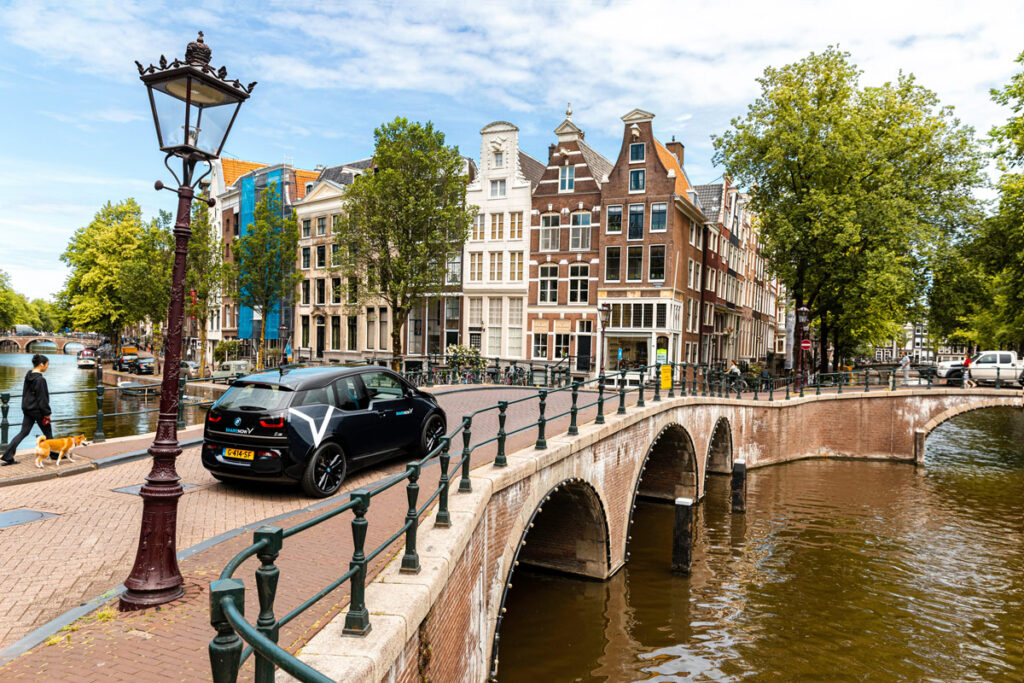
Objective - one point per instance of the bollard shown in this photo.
(266, 589)
(867, 380)
(444, 517)
(622, 394)
(787, 388)
(98, 436)
(771, 389)
(542, 443)
(929, 376)
(226, 647)
(357, 621)
(802, 383)
(181, 402)
(682, 536)
(640, 390)
(500, 460)
(599, 420)
(573, 428)
(465, 486)
(739, 486)
(5, 405)
(999, 379)
(842, 378)
(817, 384)
(411, 559)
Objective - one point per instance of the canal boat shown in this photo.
(87, 359)
(138, 389)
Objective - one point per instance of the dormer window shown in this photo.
(499, 159)
(566, 178)
(637, 152)
(309, 187)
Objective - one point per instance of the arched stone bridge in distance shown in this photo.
(570, 508)
(19, 343)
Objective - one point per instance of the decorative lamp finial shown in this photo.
(198, 52)
(568, 111)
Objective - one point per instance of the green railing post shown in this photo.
(771, 389)
(465, 486)
(266, 588)
(497, 371)
(622, 394)
(531, 382)
(5, 406)
(430, 375)
(599, 420)
(640, 391)
(573, 428)
(999, 381)
(226, 647)
(357, 621)
(98, 436)
(787, 388)
(542, 442)
(657, 381)
(411, 559)
(444, 518)
(181, 401)
(757, 381)
(671, 380)
(704, 381)
(817, 384)
(841, 379)
(929, 376)
(867, 380)
(500, 460)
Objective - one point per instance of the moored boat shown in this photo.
(87, 359)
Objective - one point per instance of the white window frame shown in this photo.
(577, 232)
(567, 178)
(548, 230)
(650, 260)
(606, 261)
(641, 249)
(541, 278)
(582, 283)
(640, 173)
(643, 219)
(499, 160)
(608, 222)
(498, 185)
(643, 152)
(533, 345)
(497, 258)
(515, 266)
(664, 211)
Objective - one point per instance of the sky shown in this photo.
(77, 131)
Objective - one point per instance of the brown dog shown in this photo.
(63, 447)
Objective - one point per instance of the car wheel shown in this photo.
(325, 471)
(430, 435)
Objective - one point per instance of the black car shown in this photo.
(316, 425)
(125, 361)
(143, 366)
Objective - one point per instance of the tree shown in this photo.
(204, 272)
(263, 272)
(8, 302)
(404, 220)
(853, 186)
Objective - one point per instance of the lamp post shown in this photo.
(194, 107)
(604, 312)
(802, 317)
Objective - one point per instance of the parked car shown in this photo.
(315, 426)
(144, 366)
(986, 368)
(190, 369)
(125, 361)
(228, 370)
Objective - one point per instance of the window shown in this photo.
(711, 279)
(478, 227)
(515, 328)
(453, 274)
(579, 284)
(451, 321)
(321, 291)
(476, 311)
(383, 328)
(696, 276)
(353, 290)
(499, 159)
(549, 232)
(476, 267)
(660, 312)
(579, 232)
(335, 332)
(353, 321)
(334, 254)
(305, 293)
(636, 222)
(305, 258)
(657, 264)
(690, 272)
(305, 227)
(321, 226)
(635, 264)
(496, 262)
(658, 217)
(371, 326)
(561, 345)
(497, 226)
(548, 292)
(515, 225)
(540, 345)
(614, 220)
(494, 311)
(305, 331)
(336, 291)
(695, 234)
(497, 188)
(382, 386)
(636, 152)
(515, 266)
(321, 256)
(637, 180)
(566, 178)
(612, 257)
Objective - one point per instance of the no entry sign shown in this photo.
(805, 345)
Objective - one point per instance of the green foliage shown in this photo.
(854, 186)
(263, 272)
(205, 272)
(8, 302)
(465, 357)
(229, 348)
(404, 220)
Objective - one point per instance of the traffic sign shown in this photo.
(805, 345)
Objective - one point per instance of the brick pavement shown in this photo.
(89, 549)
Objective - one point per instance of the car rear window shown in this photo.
(253, 396)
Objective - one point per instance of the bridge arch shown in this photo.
(9, 346)
(719, 455)
(921, 435)
(567, 532)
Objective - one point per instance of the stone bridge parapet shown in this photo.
(569, 508)
(22, 341)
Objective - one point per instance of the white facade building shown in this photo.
(495, 275)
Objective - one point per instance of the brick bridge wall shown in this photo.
(22, 342)
(570, 508)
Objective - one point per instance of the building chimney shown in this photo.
(677, 149)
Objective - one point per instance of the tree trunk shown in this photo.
(836, 360)
(399, 316)
(823, 343)
(259, 346)
(202, 343)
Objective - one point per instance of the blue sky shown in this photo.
(77, 130)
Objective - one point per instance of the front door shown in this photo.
(321, 329)
(583, 353)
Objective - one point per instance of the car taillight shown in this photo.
(273, 422)
(213, 418)
(269, 454)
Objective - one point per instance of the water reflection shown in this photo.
(838, 571)
(64, 375)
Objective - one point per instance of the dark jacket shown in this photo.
(35, 396)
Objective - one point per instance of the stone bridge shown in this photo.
(20, 342)
(570, 506)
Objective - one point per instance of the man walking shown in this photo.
(35, 406)
(905, 367)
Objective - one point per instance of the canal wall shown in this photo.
(569, 507)
(204, 390)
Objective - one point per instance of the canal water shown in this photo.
(839, 571)
(74, 413)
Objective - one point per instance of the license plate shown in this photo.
(239, 454)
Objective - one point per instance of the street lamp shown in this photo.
(803, 315)
(605, 313)
(194, 107)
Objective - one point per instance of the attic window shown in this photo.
(636, 152)
(309, 187)
(499, 159)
